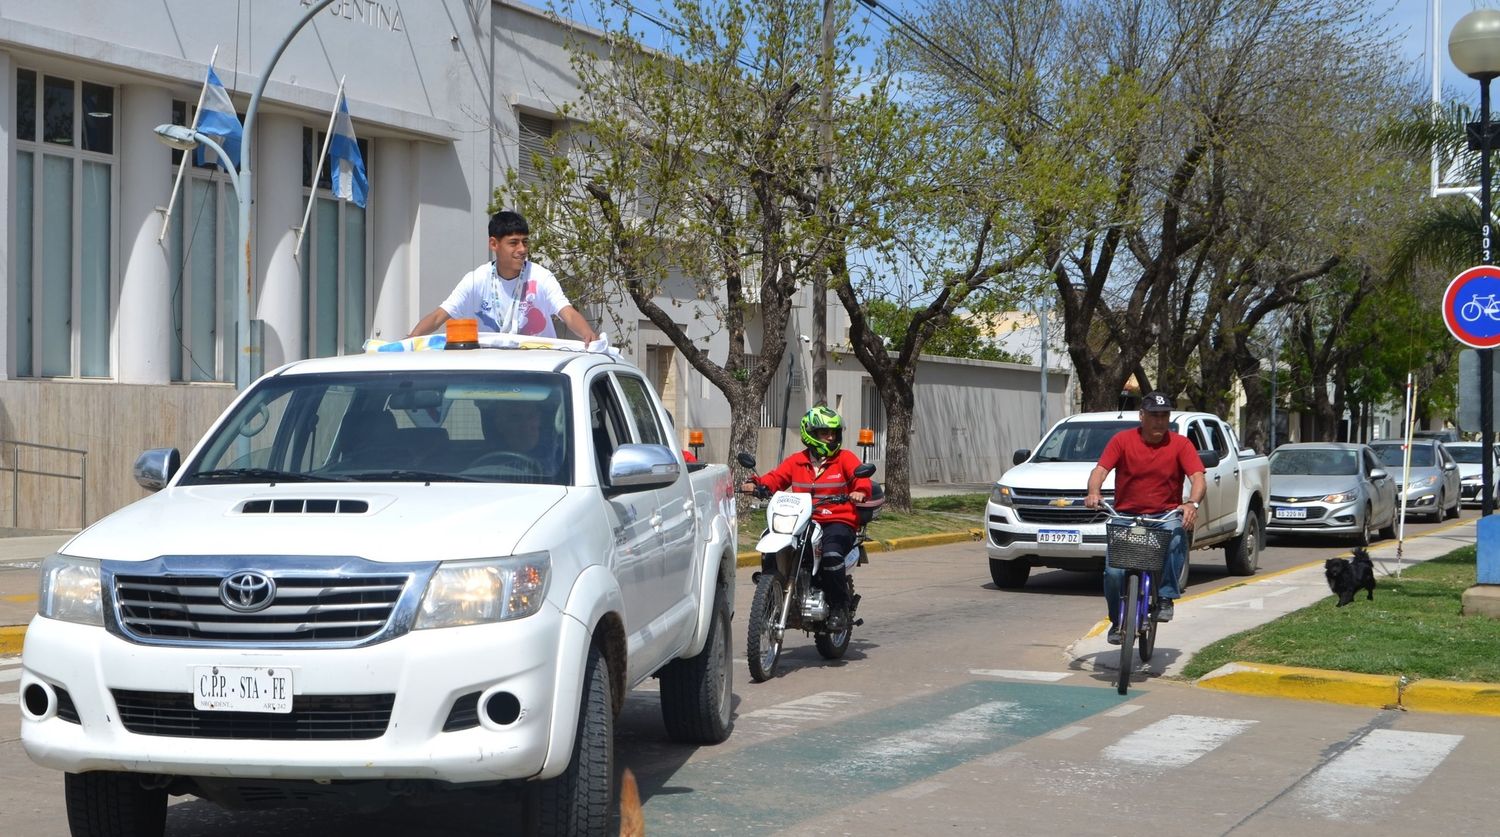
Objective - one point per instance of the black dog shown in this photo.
(1346, 577)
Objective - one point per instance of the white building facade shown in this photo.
(120, 328)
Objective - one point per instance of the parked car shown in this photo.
(1331, 488)
(1036, 517)
(1471, 470)
(1431, 487)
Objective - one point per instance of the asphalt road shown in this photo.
(956, 711)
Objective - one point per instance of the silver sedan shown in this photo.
(1331, 488)
(1432, 485)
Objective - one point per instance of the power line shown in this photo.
(922, 40)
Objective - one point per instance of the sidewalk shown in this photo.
(1208, 617)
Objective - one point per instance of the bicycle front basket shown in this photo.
(1137, 546)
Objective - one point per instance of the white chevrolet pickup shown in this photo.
(385, 574)
(1036, 516)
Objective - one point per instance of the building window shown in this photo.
(63, 289)
(202, 238)
(536, 133)
(335, 261)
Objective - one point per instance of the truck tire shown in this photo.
(1009, 575)
(1242, 555)
(576, 803)
(105, 804)
(697, 693)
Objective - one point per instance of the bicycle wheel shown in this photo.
(1129, 621)
(1148, 609)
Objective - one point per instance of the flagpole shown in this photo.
(318, 172)
(166, 220)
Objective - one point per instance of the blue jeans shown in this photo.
(1166, 580)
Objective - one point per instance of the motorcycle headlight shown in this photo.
(783, 524)
(1344, 497)
(70, 591)
(487, 590)
(1000, 495)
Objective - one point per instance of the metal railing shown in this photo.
(16, 471)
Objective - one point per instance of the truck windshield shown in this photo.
(1081, 441)
(395, 427)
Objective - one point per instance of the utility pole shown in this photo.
(820, 276)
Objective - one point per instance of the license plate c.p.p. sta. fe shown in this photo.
(242, 689)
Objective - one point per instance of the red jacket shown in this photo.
(799, 474)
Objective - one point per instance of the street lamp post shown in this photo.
(1474, 47)
(242, 324)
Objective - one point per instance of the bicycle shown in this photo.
(1138, 545)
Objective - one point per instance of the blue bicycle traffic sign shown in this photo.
(1471, 307)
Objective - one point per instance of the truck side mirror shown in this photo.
(1020, 456)
(1210, 458)
(155, 468)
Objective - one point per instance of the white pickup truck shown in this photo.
(1036, 516)
(385, 574)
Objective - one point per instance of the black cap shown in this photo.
(1156, 402)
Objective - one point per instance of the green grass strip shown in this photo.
(1414, 627)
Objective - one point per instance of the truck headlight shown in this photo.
(70, 590)
(487, 590)
(1000, 495)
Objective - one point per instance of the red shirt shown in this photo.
(1148, 478)
(836, 476)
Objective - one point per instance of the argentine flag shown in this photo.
(348, 170)
(218, 119)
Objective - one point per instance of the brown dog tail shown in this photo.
(632, 820)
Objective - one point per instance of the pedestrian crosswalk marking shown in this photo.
(9, 674)
(1361, 782)
(811, 708)
(13, 698)
(1016, 674)
(1122, 711)
(899, 746)
(1174, 741)
(1068, 732)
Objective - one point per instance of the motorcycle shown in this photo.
(788, 588)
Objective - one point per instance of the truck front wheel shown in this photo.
(696, 693)
(1009, 575)
(576, 803)
(104, 804)
(1242, 555)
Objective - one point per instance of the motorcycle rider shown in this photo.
(822, 469)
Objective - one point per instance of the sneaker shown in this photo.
(1164, 612)
(1113, 637)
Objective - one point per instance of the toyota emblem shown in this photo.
(247, 592)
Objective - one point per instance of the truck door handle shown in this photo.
(687, 506)
(655, 521)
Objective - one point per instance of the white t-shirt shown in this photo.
(498, 306)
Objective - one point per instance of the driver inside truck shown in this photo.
(524, 428)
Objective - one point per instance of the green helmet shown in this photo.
(822, 418)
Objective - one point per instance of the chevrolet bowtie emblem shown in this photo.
(1060, 502)
(1291, 499)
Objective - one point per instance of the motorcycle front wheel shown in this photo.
(763, 645)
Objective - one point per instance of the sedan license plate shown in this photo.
(1059, 536)
(242, 689)
(1284, 513)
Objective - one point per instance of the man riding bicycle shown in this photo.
(1150, 463)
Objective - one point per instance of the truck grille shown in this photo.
(305, 609)
(313, 718)
(1041, 506)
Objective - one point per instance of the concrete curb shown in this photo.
(1375, 690)
(752, 559)
(1304, 684)
(12, 637)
